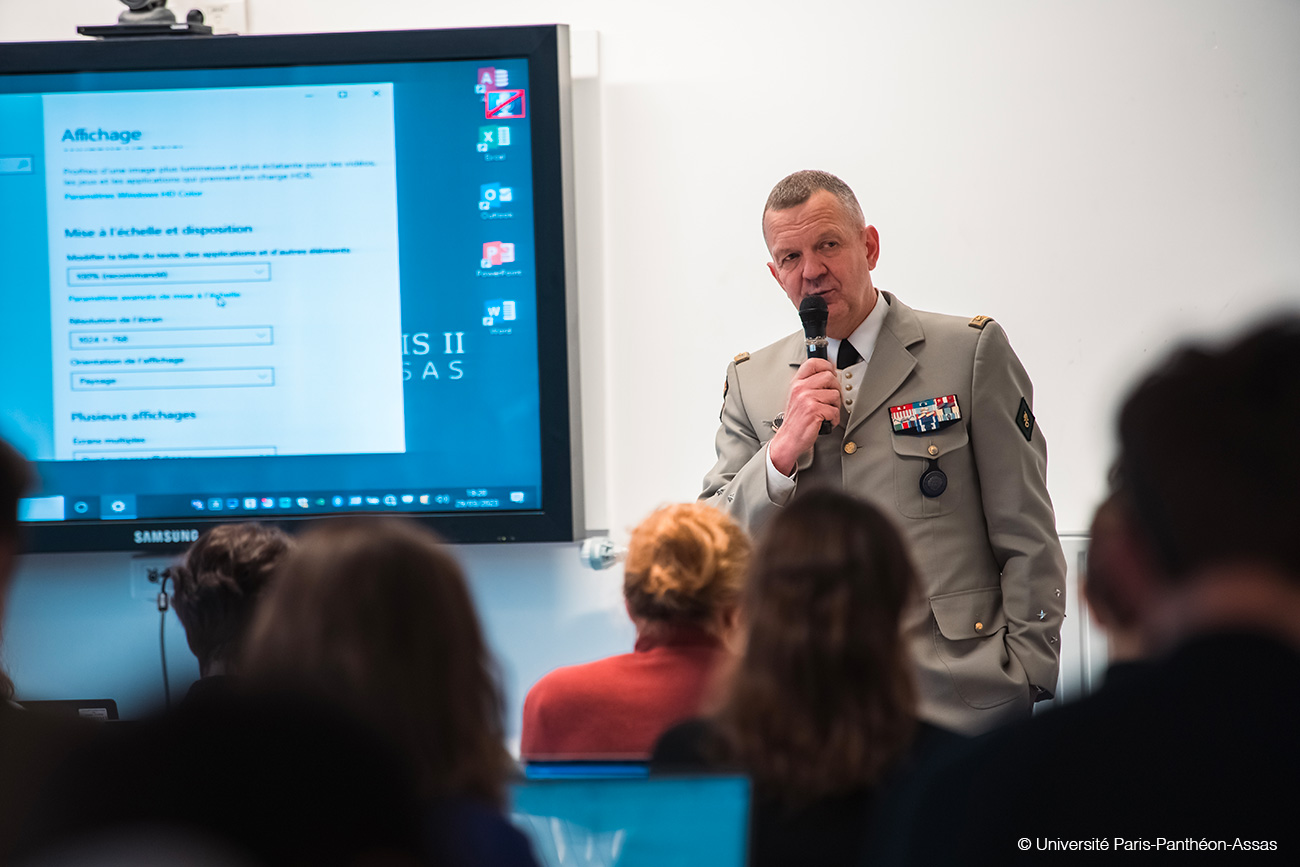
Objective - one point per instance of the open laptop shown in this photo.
(629, 822)
(98, 709)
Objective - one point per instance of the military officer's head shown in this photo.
(820, 244)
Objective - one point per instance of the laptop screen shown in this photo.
(683, 821)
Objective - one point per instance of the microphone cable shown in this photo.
(164, 602)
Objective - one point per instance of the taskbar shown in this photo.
(274, 505)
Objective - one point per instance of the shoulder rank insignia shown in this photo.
(743, 356)
(925, 415)
(980, 321)
(1025, 420)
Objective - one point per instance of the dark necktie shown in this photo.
(846, 356)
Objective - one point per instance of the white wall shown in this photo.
(1102, 177)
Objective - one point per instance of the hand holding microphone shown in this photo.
(813, 313)
(813, 405)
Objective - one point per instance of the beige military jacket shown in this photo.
(986, 636)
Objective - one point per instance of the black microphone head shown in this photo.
(812, 310)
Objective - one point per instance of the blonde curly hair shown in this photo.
(685, 563)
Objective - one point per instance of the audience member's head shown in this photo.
(1207, 464)
(822, 701)
(15, 476)
(218, 585)
(376, 615)
(1113, 582)
(685, 565)
(14, 479)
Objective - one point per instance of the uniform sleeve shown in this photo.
(1012, 471)
(737, 484)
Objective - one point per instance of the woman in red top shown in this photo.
(681, 581)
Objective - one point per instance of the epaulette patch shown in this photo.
(744, 356)
(980, 321)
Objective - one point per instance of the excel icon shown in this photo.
(492, 137)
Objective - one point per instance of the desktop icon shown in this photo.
(408, 498)
(354, 500)
(504, 105)
(516, 496)
(197, 505)
(336, 502)
(372, 501)
(497, 253)
(285, 502)
(250, 502)
(424, 499)
(303, 502)
(492, 137)
(232, 502)
(390, 500)
(268, 502)
(498, 309)
(492, 196)
(214, 504)
(490, 77)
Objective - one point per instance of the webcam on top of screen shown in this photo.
(148, 18)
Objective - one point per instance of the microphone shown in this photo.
(812, 310)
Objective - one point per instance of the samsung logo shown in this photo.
(149, 537)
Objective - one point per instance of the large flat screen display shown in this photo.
(280, 278)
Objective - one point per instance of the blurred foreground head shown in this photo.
(15, 476)
(823, 701)
(1210, 470)
(374, 613)
(1208, 458)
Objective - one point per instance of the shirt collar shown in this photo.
(864, 336)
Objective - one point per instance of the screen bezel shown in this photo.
(546, 50)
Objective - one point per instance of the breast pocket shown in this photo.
(950, 449)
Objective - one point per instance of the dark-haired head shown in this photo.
(1207, 458)
(15, 476)
(375, 614)
(217, 586)
(823, 699)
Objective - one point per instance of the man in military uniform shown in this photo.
(932, 421)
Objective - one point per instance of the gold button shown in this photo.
(848, 375)
(849, 402)
(848, 388)
(978, 626)
(933, 450)
(850, 448)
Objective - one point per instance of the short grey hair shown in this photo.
(793, 190)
